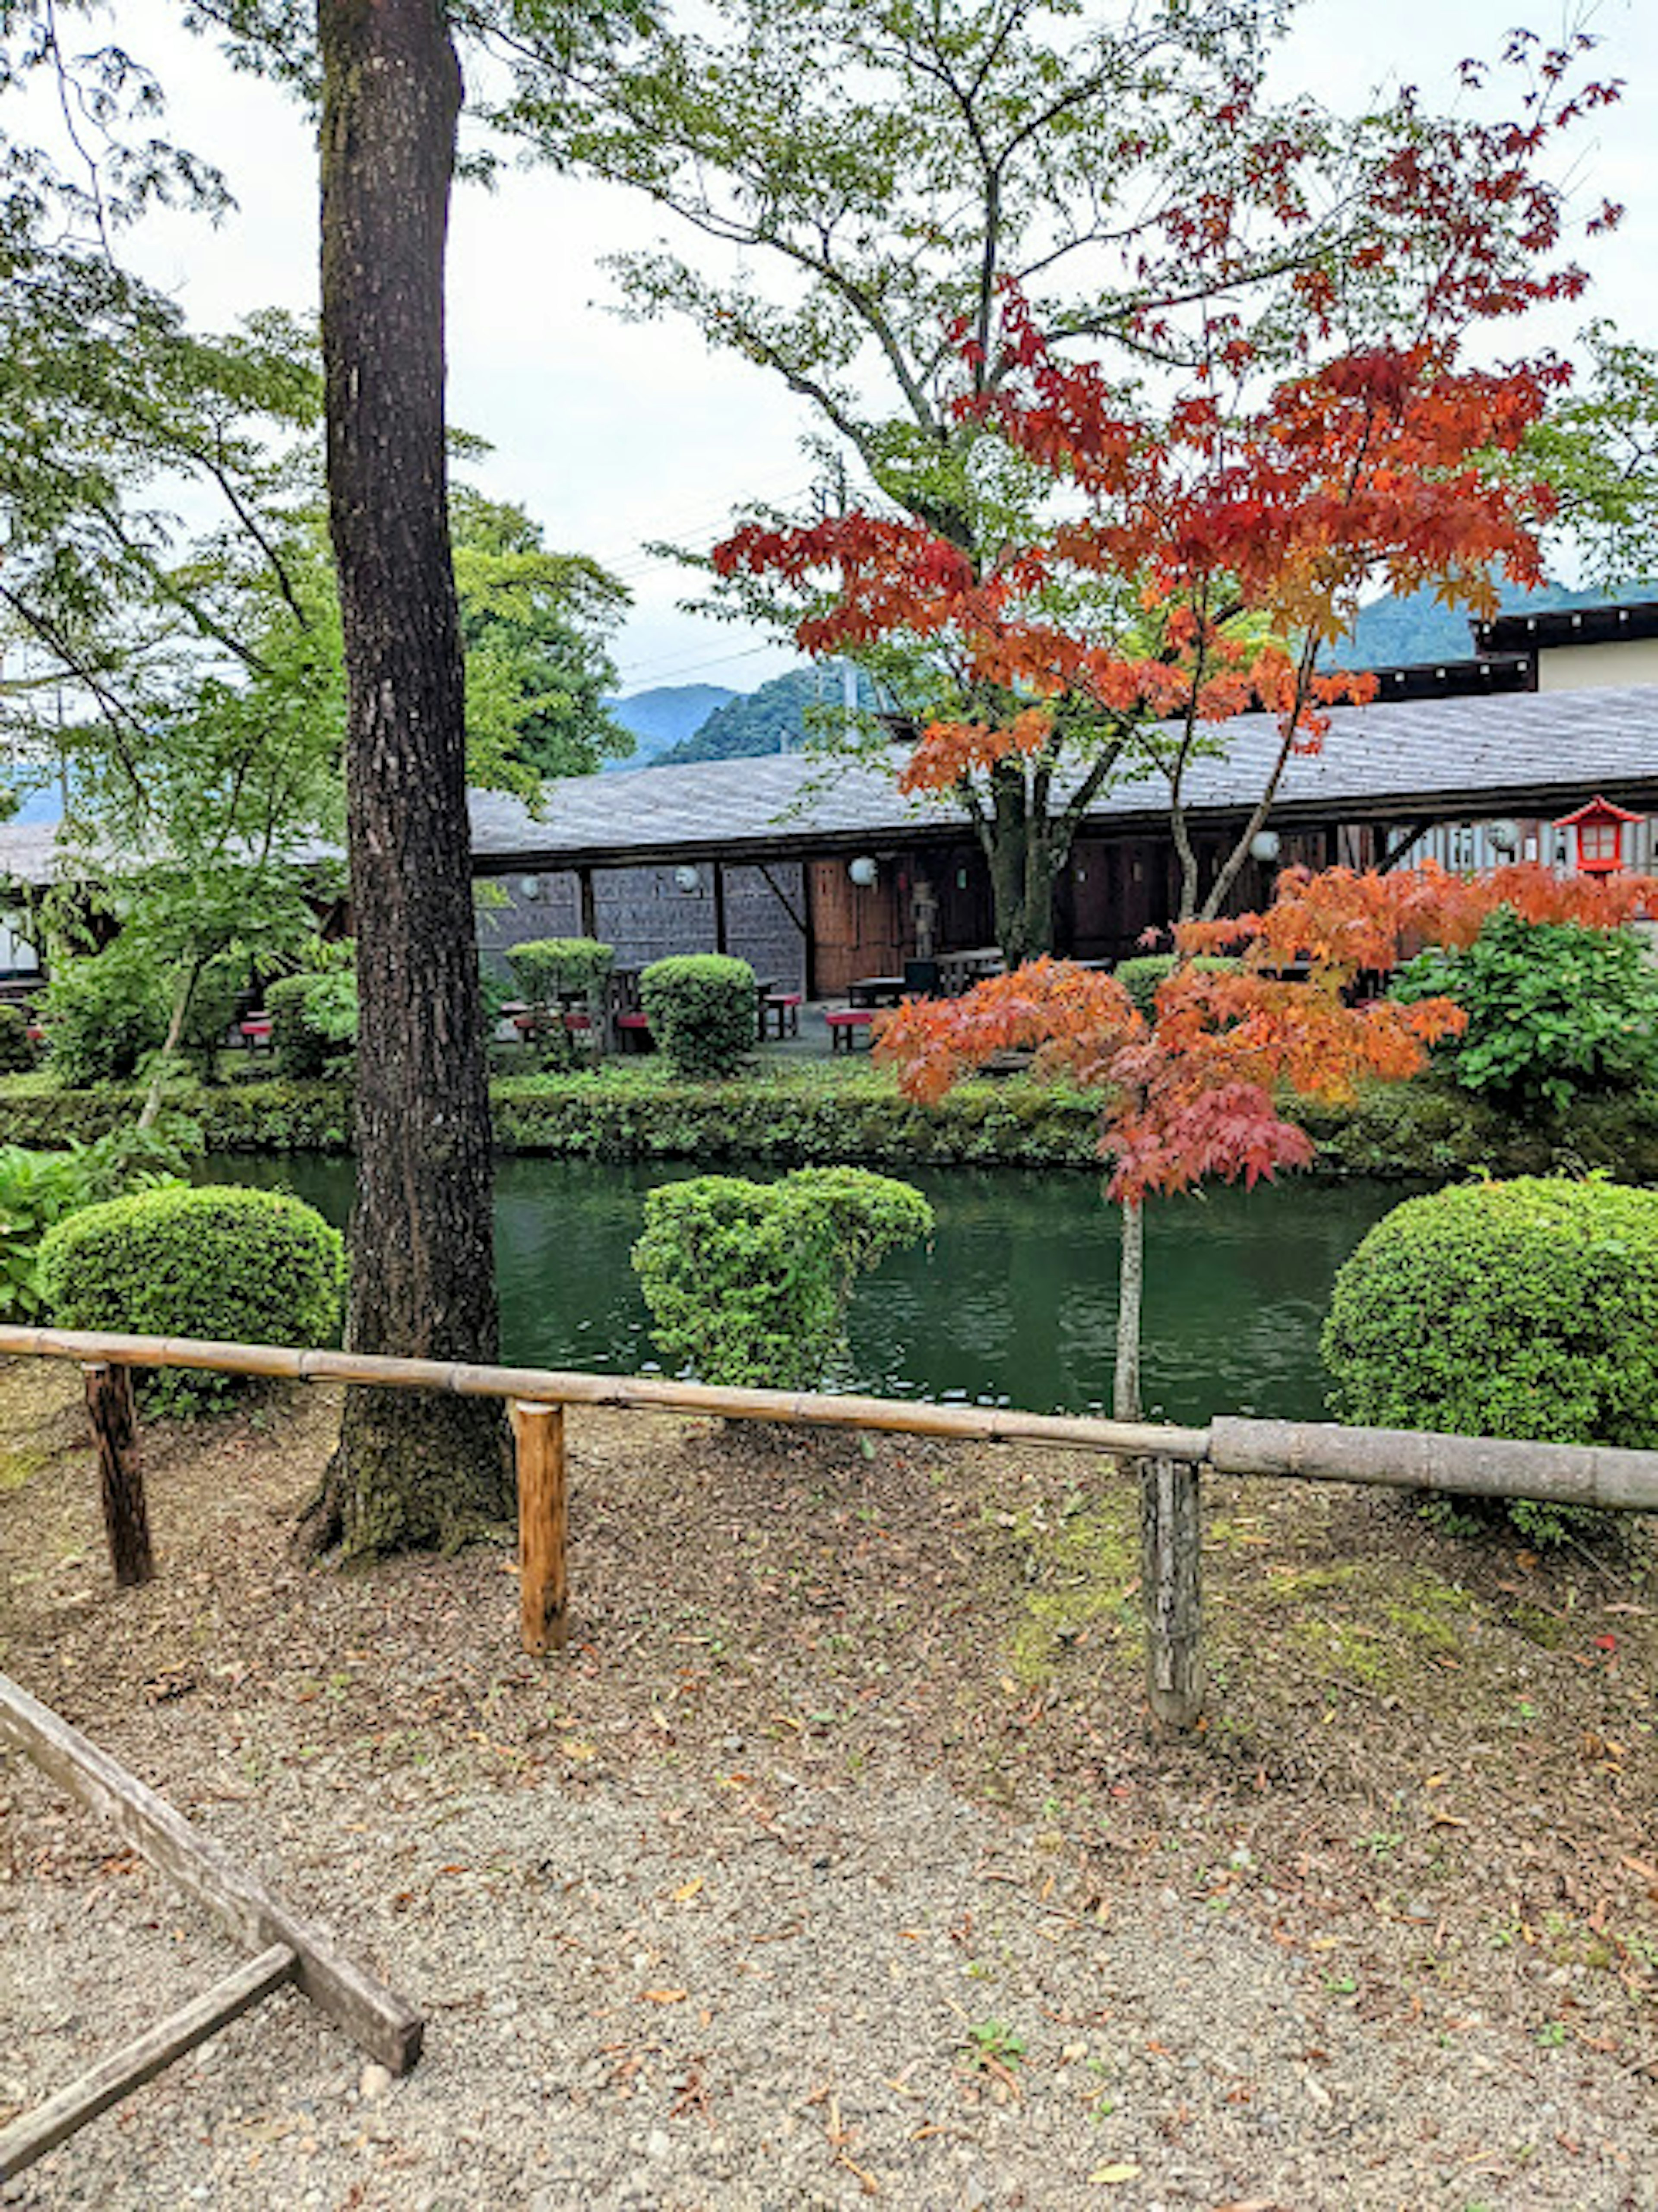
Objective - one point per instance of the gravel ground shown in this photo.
(775, 1994)
(834, 1862)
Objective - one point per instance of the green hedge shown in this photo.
(1525, 1309)
(636, 1109)
(703, 1012)
(251, 1265)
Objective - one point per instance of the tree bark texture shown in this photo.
(410, 1471)
(1025, 847)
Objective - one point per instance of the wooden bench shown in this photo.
(844, 1024)
(780, 1014)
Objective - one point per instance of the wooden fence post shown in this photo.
(1171, 1572)
(543, 1584)
(114, 1426)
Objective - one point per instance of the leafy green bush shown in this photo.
(749, 1282)
(1141, 976)
(548, 965)
(313, 1021)
(1525, 1309)
(38, 1189)
(1555, 1012)
(702, 1011)
(101, 1015)
(254, 1267)
(16, 1046)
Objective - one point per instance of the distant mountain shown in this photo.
(661, 718)
(773, 720)
(1401, 633)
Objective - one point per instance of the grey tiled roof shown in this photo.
(1537, 751)
(1530, 753)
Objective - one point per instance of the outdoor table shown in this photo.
(959, 972)
(876, 990)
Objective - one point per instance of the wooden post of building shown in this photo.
(589, 904)
(1171, 1570)
(115, 1429)
(719, 906)
(542, 1519)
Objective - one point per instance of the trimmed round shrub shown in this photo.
(546, 966)
(16, 1046)
(1141, 976)
(749, 1282)
(702, 1011)
(252, 1266)
(1525, 1309)
(314, 1021)
(1555, 1012)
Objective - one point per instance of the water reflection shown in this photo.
(1015, 1302)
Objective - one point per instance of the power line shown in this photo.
(661, 675)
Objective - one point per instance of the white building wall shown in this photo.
(1620, 661)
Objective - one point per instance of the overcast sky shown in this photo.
(611, 433)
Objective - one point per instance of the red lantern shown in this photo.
(1599, 826)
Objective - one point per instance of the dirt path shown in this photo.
(834, 1865)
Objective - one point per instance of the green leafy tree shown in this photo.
(1598, 446)
(536, 627)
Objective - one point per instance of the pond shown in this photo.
(1014, 1303)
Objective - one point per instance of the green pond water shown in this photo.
(1014, 1304)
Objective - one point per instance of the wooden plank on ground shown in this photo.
(374, 2017)
(41, 2131)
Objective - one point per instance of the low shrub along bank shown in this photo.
(749, 1282)
(252, 1266)
(1525, 1309)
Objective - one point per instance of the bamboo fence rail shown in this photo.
(1168, 1458)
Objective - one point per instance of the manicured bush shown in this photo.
(1555, 1012)
(251, 1266)
(314, 1021)
(1525, 1309)
(548, 965)
(702, 1011)
(749, 1282)
(1141, 976)
(16, 1046)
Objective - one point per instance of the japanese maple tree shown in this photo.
(1194, 1092)
(1118, 570)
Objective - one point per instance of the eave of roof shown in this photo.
(1561, 626)
(1394, 761)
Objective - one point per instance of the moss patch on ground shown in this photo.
(1082, 1572)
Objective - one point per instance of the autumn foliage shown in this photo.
(1129, 565)
(1193, 1092)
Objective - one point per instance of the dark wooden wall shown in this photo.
(643, 913)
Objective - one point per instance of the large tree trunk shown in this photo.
(1025, 853)
(410, 1471)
